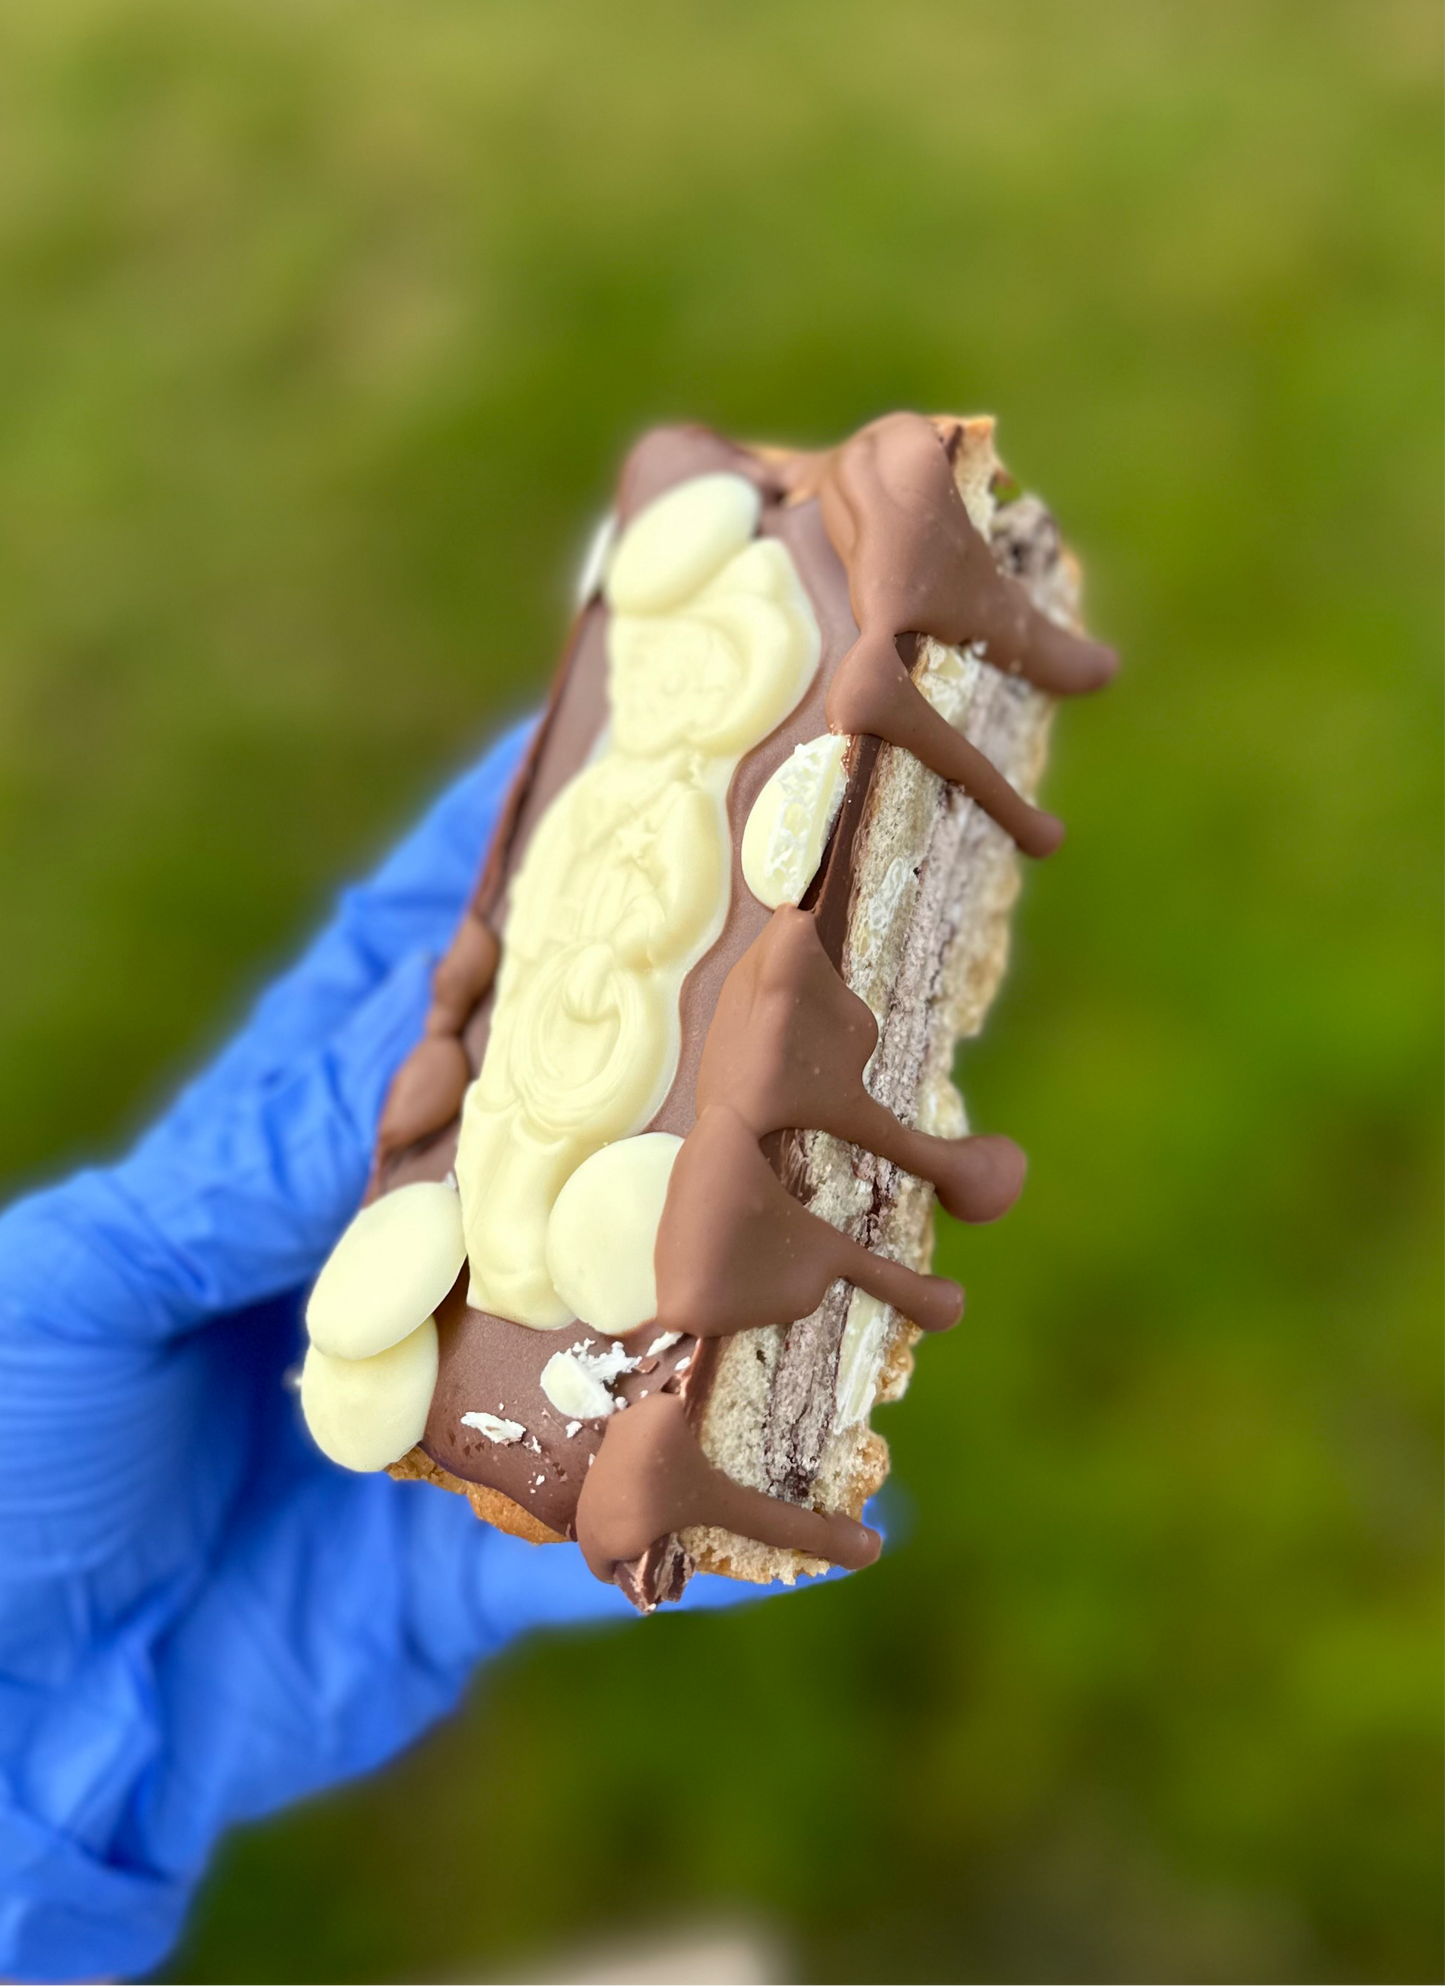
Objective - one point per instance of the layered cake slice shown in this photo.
(649, 1227)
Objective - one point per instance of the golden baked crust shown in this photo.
(416, 1466)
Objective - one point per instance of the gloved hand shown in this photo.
(200, 1617)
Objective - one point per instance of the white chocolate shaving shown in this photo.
(388, 1272)
(577, 1382)
(573, 1390)
(608, 1365)
(495, 1429)
(790, 821)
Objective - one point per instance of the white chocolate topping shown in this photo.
(573, 1389)
(495, 1428)
(388, 1272)
(367, 1412)
(674, 546)
(624, 886)
(603, 1231)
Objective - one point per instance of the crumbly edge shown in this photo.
(930, 972)
(416, 1466)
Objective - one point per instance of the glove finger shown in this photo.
(412, 903)
(341, 1626)
(219, 1210)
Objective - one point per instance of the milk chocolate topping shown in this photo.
(463, 976)
(427, 1090)
(772, 1040)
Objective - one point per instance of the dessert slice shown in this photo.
(649, 1226)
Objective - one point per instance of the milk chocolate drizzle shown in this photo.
(788, 1042)
(427, 1090)
(652, 1478)
(736, 1251)
(787, 1049)
(916, 565)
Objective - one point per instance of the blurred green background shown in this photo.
(323, 327)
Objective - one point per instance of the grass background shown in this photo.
(323, 327)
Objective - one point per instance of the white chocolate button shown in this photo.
(603, 1231)
(676, 544)
(389, 1271)
(366, 1412)
(791, 820)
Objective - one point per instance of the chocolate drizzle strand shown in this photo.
(775, 1046)
(736, 1251)
(916, 565)
(652, 1478)
(788, 1049)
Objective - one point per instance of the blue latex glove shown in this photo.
(200, 1617)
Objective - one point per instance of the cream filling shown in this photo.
(860, 1358)
(711, 642)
